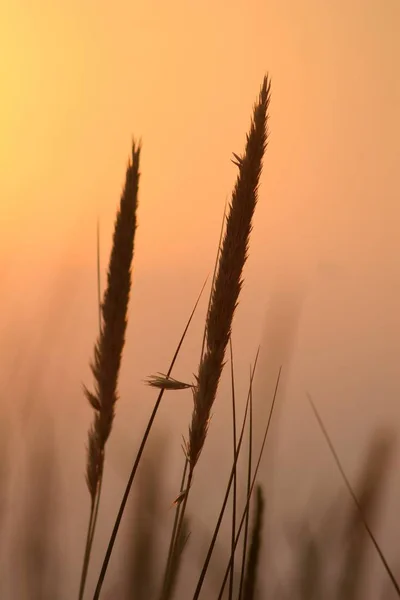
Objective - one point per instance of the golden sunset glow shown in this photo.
(78, 80)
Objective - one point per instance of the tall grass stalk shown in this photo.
(108, 349)
(228, 283)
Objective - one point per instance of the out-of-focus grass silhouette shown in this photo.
(332, 560)
(40, 540)
(340, 540)
(140, 558)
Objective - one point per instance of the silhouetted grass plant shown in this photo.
(108, 349)
(141, 571)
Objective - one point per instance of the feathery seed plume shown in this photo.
(108, 349)
(229, 281)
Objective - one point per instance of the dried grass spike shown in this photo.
(228, 282)
(108, 349)
(163, 382)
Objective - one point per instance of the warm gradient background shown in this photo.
(78, 79)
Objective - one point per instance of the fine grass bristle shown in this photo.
(162, 382)
(228, 282)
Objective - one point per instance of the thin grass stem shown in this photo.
(227, 492)
(137, 460)
(234, 493)
(94, 508)
(181, 507)
(246, 525)
(252, 483)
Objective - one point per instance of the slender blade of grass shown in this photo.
(95, 503)
(234, 494)
(246, 525)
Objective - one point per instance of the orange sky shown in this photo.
(79, 78)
